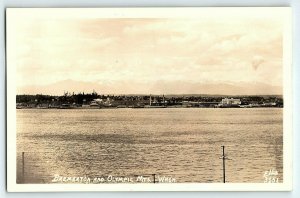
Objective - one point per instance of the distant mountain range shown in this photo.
(159, 87)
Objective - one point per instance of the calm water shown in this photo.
(183, 144)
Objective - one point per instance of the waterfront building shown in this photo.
(230, 102)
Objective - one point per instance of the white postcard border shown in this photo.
(12, 13)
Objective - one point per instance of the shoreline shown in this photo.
(155, 108)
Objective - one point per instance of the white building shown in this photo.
(230, 102)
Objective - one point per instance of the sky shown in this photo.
(206, 55)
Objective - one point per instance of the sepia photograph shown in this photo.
(149, 99)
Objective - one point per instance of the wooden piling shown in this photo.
(153, 178)
(224, 158)
(23, 166)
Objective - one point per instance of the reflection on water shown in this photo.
(184, 144)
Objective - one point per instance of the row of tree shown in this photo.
(83, 98)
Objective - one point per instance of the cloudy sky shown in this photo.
(216, 55)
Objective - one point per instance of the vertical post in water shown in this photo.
(153, 178)
(223, 157)
(23, 166)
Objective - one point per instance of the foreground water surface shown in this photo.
(183, 144)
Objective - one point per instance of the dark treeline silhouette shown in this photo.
(86, 98)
